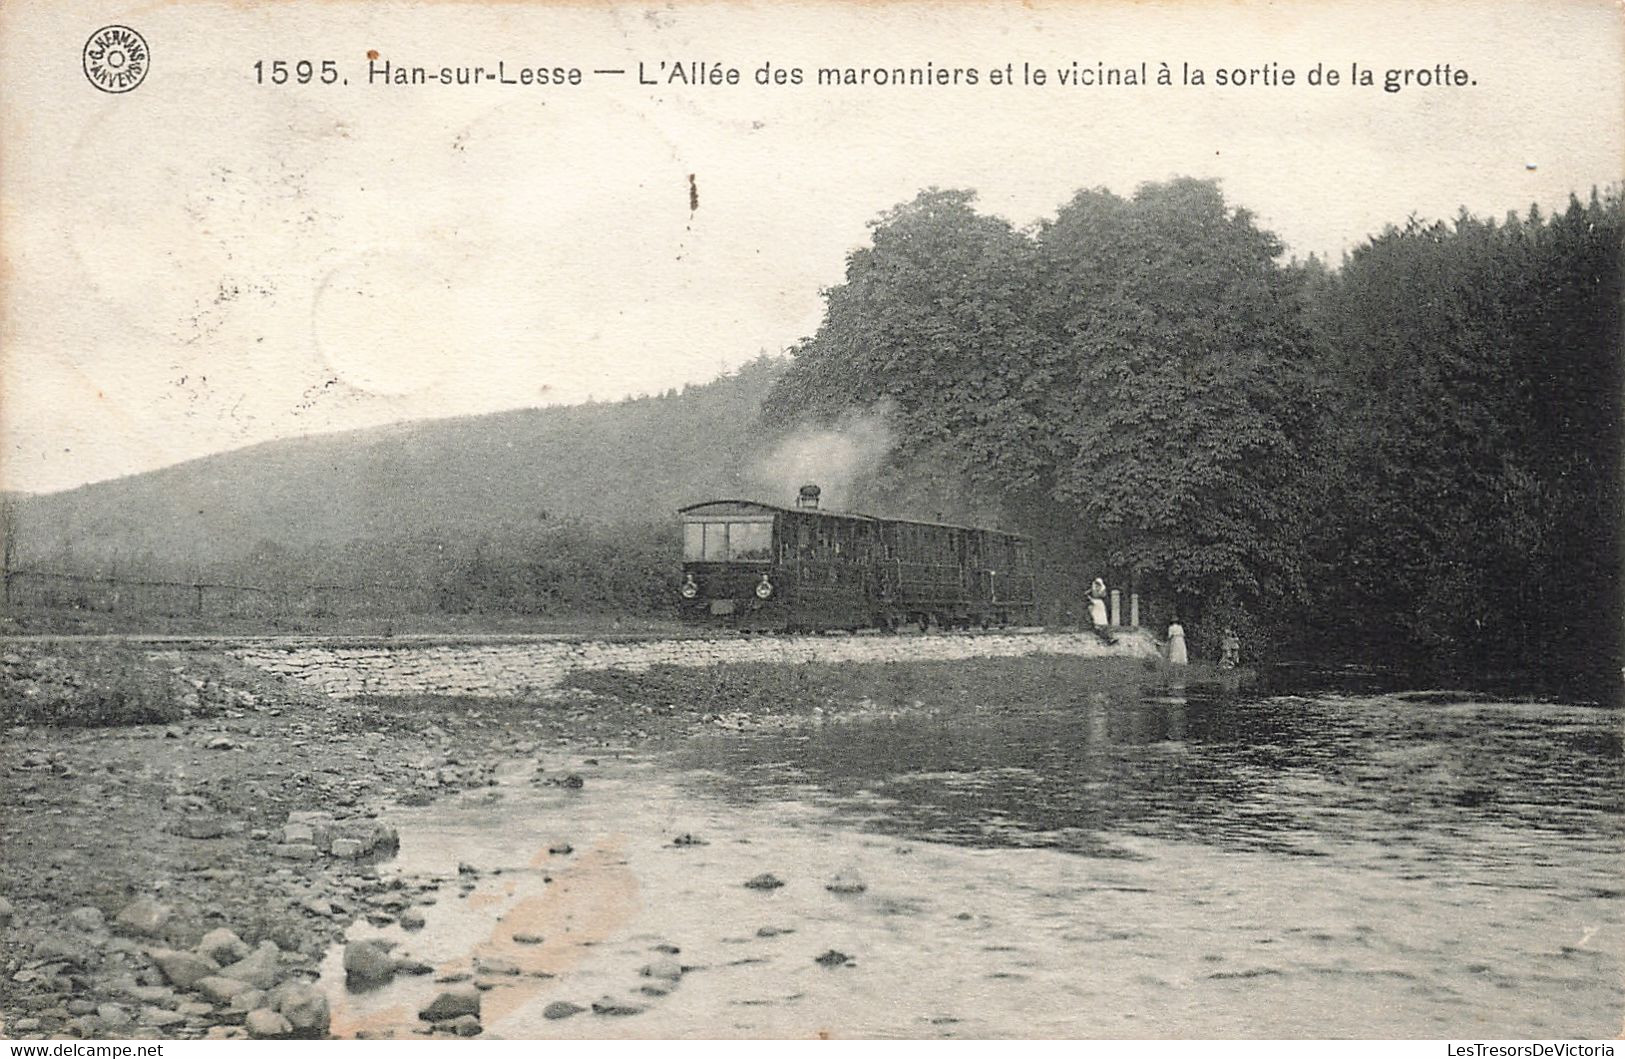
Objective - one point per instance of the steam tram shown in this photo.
(755, 566)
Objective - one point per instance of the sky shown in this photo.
(206, 262)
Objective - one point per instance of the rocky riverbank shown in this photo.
(184, 879)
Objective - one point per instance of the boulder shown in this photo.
(87, 918)
(367, 963)
(222, 946)
(846, 883)
(112, 1017)
(261, 968)
(304, 1006)
(453, 1002)
(183, 969)
(266, 1025)
(299, 834)
(142, 916)
(765, 881)
(55, 949)
(221, 989)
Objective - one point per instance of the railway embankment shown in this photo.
(505, 669)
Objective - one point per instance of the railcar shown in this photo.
(756, 566)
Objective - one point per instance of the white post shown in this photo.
(1117, 606)
(1134, 609)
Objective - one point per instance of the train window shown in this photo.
(750, 541)
(716, 542)
(693, 541)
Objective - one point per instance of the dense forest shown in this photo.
(1414, 454)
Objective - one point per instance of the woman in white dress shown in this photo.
(1176, 644)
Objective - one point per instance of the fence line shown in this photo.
(52, 588)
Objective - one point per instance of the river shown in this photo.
(1309, 859)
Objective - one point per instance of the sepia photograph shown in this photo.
(796, 520)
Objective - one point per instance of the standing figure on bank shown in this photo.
(1097, 612)
(1176, 643)
(1229, 650)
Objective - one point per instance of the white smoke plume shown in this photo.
(832, 458)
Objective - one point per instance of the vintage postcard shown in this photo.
(821, 519)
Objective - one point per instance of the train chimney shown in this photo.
(808, 498)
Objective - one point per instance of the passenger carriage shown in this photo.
(751, 565)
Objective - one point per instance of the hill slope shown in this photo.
(636, 459)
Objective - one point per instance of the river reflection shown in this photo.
(1426, 783)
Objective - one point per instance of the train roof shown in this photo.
(827, 513)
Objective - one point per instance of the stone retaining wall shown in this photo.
(505, 669)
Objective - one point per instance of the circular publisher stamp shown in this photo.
(116, 58)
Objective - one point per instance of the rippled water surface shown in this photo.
(1195, 862)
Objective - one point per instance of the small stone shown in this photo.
(846, 883)
(408, 965)
(299, 834)
(317, 906)
(560, 848)
(26, 1025)
(6, 912)
(465, 868)
(452, 1002)
(466, 1026)
(615, 1007)
(573, 781)
(833, 958)
(347, 848)
(412, 919)
(686, 839)
(773, 932)
(159, 1018)
(221, 989)
(266, 1025)
(525, 938)
(220, 742)
(561, 1009)
(87, 918)
(80, 1006)
(765, 881)
(367, 963)
(142, 916)
(223, 946)
(294, 852)
(183, 969)
(665, 968)
(495, 965)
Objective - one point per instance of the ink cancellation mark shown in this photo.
(116, 59)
